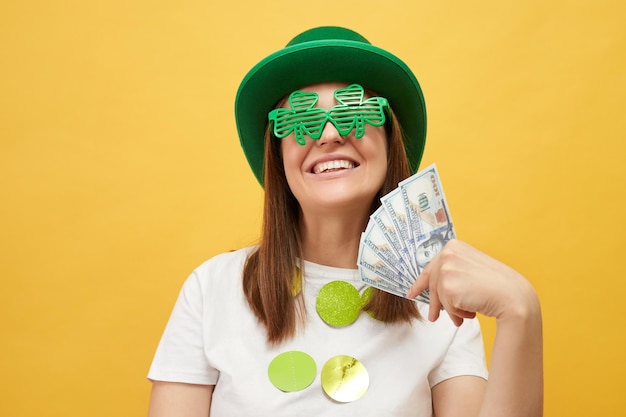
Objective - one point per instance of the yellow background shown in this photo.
(120, 171)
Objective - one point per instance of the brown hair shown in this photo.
(269, 271)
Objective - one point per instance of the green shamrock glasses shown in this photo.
(303, 118)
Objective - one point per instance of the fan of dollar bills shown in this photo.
(409, 228)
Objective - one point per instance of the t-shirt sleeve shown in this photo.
(465, 356)
(180, 355)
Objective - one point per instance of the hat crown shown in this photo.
(324, 33)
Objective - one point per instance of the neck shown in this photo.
(333, 238)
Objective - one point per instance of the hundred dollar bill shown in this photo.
(372, 279)
(374, 238)
(429, 221)
(405, 233)
(369, 259)
(387, 228)
(393, 204)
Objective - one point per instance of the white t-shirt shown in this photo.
(213, 338)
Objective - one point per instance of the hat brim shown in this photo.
(314, 62)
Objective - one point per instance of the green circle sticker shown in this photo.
(338, 303)
(366, 296)
(292, 371)
(344, 378)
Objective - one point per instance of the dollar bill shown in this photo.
(388, 230)
(410, 227)
(370, 259)
(372, 279)
(429, 221)
(393, 205)
(374, 238)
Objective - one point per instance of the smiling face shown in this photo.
(335, 172)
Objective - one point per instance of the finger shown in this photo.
(435, 306)
(458, 316)
(456, 319)
(421, 283)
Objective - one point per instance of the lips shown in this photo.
(333, 165)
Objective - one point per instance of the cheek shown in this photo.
(375, 149)
(379, 152)
(293, 155)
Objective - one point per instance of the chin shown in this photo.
(340, 199)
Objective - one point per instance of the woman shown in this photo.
(251, 334)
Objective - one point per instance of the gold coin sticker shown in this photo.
(344, 379)
(292, 371)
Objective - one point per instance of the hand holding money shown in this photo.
(464, 281)
(411, 226)
(405, 239)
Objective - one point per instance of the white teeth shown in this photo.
(332, 165)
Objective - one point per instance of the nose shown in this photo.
(330, 134)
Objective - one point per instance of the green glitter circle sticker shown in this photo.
(292, 371)
(344, 379)
(296, 284)
(338, 303)
(366, 296)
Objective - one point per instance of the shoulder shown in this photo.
(234, 258)
(221, 270)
